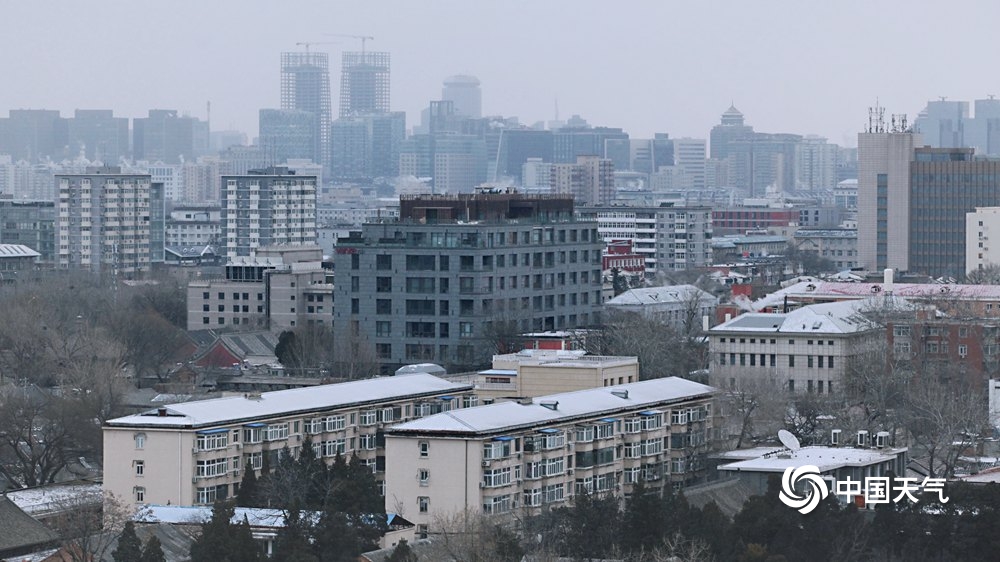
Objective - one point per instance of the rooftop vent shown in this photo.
(553, 405)
(161, 412)
(525, 401)
(622, 393)
(253, 396)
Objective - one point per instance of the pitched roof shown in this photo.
(19, 533)
(236, 409)
(506, 416)
(844, 317)
(658, 295)
(17, 251)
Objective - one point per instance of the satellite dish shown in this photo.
(789, 440)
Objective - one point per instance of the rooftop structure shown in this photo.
(537, 372)
(680, 306)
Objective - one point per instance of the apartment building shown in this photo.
(532, 454)
(267, 207)
(192, 453)
(805, 350)
(456, 270)
(281, 287)
(538, 372)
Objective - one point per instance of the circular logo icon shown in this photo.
(808, 475)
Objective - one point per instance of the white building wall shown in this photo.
(982, 238)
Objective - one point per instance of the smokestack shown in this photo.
(887, 281)
(728, 317)
(704, 323)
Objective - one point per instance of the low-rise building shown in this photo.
(681, 307)
(538, 453)
(193, 453)
(839, 245)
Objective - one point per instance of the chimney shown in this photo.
(887, 280)
(704, 323)
(161, 412)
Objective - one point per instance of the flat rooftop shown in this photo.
(825, 458)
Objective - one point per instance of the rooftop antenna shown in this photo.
(557, 110)
(876, 119)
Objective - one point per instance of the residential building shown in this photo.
(980, 252)
(739, 220)
(536, 176)
(193, 453)
(736, 248)
(193, 226)
(590, 181)
(279, 288)
(884, 199)
(618, 254)
(168, 137)
(840, 246)
(537, 372)
(267, 207)
(689, 159)
(16, 262)
(32, 224)
(464, 92)
(682, 307)
(530, 455)
(305, 86)
(806, 350)
(456, 270)
(760, 161)
(106, 221)
(815, 164)
(364, 83)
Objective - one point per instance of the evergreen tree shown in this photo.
(337, 538)
(313, 474)
(129, 547)
(285, 350)
(249, 488)
(402, 553)
(644, 521)
(153, 551)
(590, 526)
(292, 542)
(244, 548)
(221, 541)
(619, 283)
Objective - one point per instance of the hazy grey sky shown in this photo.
(798, 66)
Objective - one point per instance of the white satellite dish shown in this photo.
(789, 440)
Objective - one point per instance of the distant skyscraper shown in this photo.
(364, 83)
(367, 146)
(30, 134)
(98, 134)
(571, 142)
(731, 128)
(942, 123)
(464, 92)
(305, 86)
(815, 164)
(166, 137)
(517, 146)
(289, 133)
(591, 180)
(268, 207)
(689, 158)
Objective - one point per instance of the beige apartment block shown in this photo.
(520, 457)
(537, 372)
(193, 453)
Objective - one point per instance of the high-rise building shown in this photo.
(689, 158)
(517, 146)
(458, 274)
(731, 128)
(364, 83)
(367, 146)
(31, 223)
(942, 123)
(267, 207)
(761, 160)
(305, 86)
(106, 219)
(166, 137)
(884, 198)
(983, 132)
(98, 135)
(289, 133)
(464, 92)
(590, 181)
(570, 142)
(457, 163)
(31, 134)
(816, 164)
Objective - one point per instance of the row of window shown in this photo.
(772, 341)
(769, 360)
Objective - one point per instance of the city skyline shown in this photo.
(776, 63)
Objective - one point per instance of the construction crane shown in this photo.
(307, 43)
(363, 38)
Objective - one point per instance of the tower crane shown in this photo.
(307, 43)
(363, 38)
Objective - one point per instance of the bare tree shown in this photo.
(354, 357)
(752, 410)
(471, 536)
(662, 350)
(989, 275)
(87, 532)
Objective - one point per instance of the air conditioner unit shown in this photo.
(882, 439)
(835, 437)
(194, 479)
(239, 446)
(862, 438)
(486, 464)
(482, 484)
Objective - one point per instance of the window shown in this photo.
(208, 442)
(383, 306)
(252, 435)
(424, 448)
(334, 447)
(497, 477)
(498, 504)
(367, 442)
(368, 417)
(139, 493)
(496, 450)
(276, 431)
(212, 468)
(423, 476)
(901, 331)
(383, 262)
(140, 440)
(383, 284)
(383, 328)
(140, 467)
(633, 425)
(963, 351)
(423, 502)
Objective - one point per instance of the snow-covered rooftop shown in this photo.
(232, 409)
(506, 416)
(825, 458)
(17, 251)
(56, 497)
(844, 317)
(843, 291)
(676, 294)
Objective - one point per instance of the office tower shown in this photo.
(31, 223)
(267, 207)
(458, 270)
(457, 163)
(942, 123)
(762, 160)
(590, 181)
(364, 83)
(983, 131)
(305, 86)
(884, 158)
(32, 134)
(464, 92)
(98, 135)
(569, 143)
(289, 133)
(731, 128)
(689, 158)
(945, 185)
(106, 220)
(367, 146)
(815, 163)
(517, 146)
(221, 140)
(165, 137)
